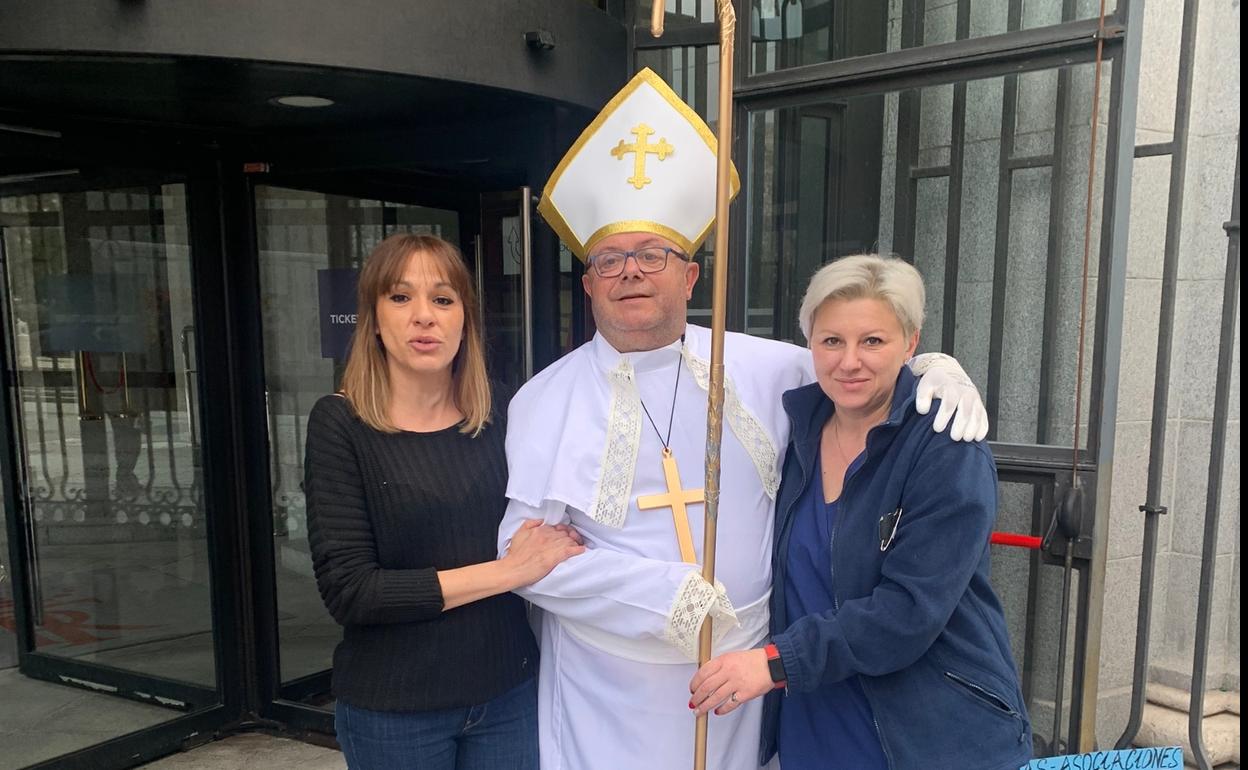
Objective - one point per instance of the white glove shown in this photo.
(940, 376)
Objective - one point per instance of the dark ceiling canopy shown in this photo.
(234, 96)
(455, 74)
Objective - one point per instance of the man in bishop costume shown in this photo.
(611, 439)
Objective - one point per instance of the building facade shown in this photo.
(186, 193)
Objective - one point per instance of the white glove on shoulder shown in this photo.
(940, 376)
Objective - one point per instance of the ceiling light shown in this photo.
(301, 100)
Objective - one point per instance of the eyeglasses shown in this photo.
(652, 259)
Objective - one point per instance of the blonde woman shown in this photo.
(405, 477)
(886, 636)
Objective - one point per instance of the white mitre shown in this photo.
(645, 164)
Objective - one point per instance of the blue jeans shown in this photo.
(498, 735)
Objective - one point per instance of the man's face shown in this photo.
(636, 310)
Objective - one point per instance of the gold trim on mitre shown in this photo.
(643, 226)
(554, 217)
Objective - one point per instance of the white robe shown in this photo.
(620, 622)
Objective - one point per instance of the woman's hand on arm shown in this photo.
(535, 550)
(744, 674)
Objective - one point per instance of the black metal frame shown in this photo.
(145, 745)
(137, 686)
(213, 708)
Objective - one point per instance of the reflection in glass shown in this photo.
(678, 13)
(693, 73)
(311, 246)
(793, 33)
(993, 207)
(100, 304)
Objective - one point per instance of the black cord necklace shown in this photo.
(667, 442)
(676, 497)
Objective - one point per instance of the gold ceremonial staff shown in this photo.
(719, 294)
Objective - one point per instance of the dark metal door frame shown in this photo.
(208, 708)
(276, 703)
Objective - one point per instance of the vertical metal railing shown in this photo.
(953, 223)
(1057, 231)
(1213, 495)
(909, 116)
(1001, 248)
(1152, 507)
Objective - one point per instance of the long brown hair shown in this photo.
(366, 379)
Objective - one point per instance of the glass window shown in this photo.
(679, 13)
(101, 312)
(995, 208)
(792, 33)
(105, 411)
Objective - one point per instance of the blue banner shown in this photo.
(336, 288)
(1164, 758)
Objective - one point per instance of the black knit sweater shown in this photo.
(386, 511)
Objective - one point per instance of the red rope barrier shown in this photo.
(1018, 541)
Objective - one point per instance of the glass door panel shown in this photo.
(311, 246)
(100, 298)
(505, 283)
(105, 582)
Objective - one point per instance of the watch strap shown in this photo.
(775, 666)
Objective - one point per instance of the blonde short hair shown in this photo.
(366, 378)
(867, 276)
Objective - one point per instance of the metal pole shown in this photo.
(1152, 507)
(1102, 415)
(1059, 696)
(526, 279)
(1095, 577)
(1213, 496)
(479, 263)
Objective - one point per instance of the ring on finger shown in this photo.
(733, 698)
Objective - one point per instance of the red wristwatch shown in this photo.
(775, 667)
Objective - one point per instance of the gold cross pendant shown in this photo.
(676, 499)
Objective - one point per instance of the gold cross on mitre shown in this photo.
(676, 499)
(639, 149)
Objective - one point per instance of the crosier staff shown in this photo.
(719, 295)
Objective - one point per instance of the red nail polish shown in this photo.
(691, 705)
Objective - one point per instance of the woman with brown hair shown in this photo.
(405, 478)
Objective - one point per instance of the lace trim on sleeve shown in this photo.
(694, 600)
(619, 456)
(744, 425)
